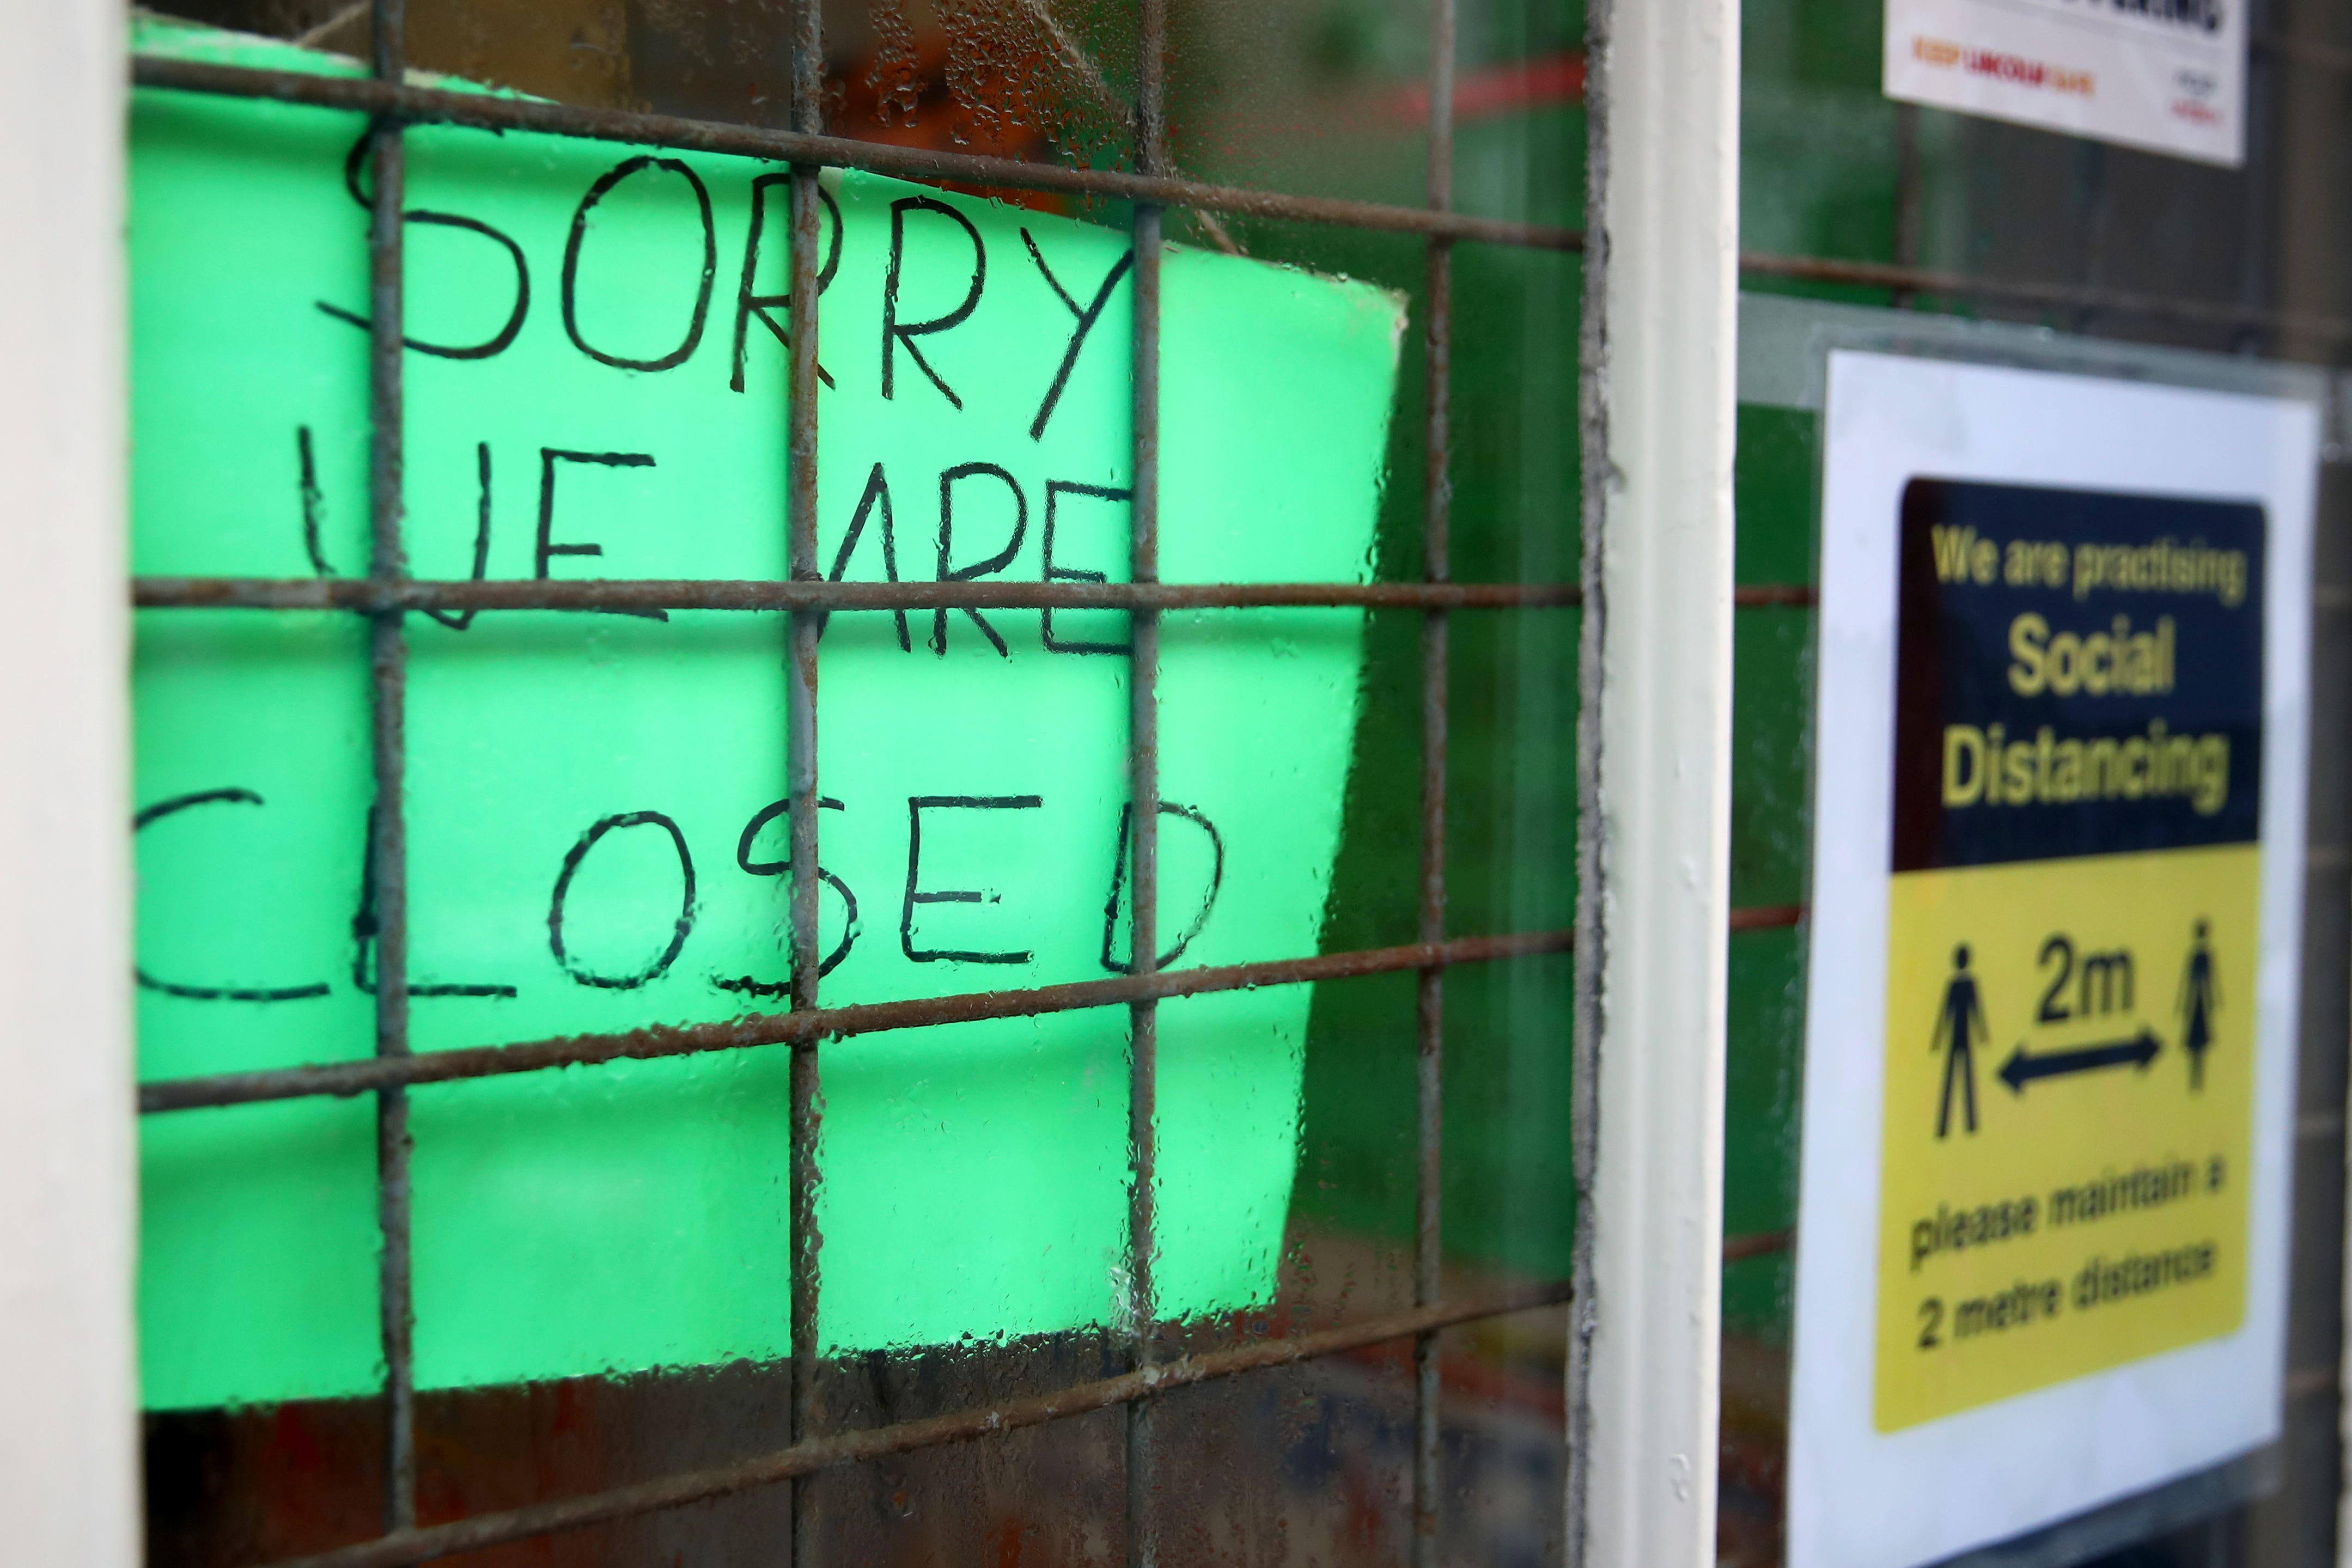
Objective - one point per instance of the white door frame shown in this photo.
(1660, 339)
(68, 1379)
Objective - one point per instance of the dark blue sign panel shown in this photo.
(2078, 673)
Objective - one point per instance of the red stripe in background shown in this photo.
(1509, 89)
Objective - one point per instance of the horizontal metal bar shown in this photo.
(438, 106)
(361, 595)
(2300, 51)
(412, 1546)
(485, 111)
(369, 597)
(656, 1040)
(1759, 1244)
(359, 1077)
(2045, 296)
(2321, 1377)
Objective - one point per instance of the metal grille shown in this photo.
(388, 594)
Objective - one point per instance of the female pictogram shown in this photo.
(2200, 998)
(1959, 1024)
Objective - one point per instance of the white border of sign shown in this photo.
(1858, 1498)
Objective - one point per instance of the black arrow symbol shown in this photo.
(2140, 1051)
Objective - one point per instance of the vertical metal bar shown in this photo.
(2095, 201)
(1429, 1011)
(2258, 231)
(1906, 196)
(800, 717)
(388, 822)
(1143, 773)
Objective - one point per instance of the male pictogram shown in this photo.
(2200, 998)
(1959, 1024)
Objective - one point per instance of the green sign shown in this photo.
(597, 388)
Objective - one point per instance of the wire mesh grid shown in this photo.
(389, 593)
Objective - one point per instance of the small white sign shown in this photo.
(2166, 75)
(2026, 1291)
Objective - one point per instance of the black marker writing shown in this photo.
(895, 332)
(875, 493)
(916, 894)
(1054, 490)
(497, 343)
(849, 929)
(314, 504)
(572, 863)
(571, 247)
(459, 620)
(1119, 881)
(950, 572)
(548, 550)
(314, 513)
(365, 928)
(1087, 315)
(157, 813)
(749, 304)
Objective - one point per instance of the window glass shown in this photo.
(1851, 198)
(594, 775)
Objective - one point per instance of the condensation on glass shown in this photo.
(1385, 1382)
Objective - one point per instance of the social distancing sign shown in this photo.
(2067, 1097)
(2048, 1047)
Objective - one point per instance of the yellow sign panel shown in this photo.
(2070, 1058)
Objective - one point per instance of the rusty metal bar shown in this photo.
(1757, 1244)
(1775, 596)
(1143, 781)
(1087, 74)
(1907, 194)
(364, 1076)
(2321, 1377)
(366, 597)
(1914, 280)
(803, 630)
(2259, 219)
(2304, 53)
(388, 746)
(653, 1040)
(417, 105)
(434, 106)
(809, 1458)
(1429, 994)
(2095, 204)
